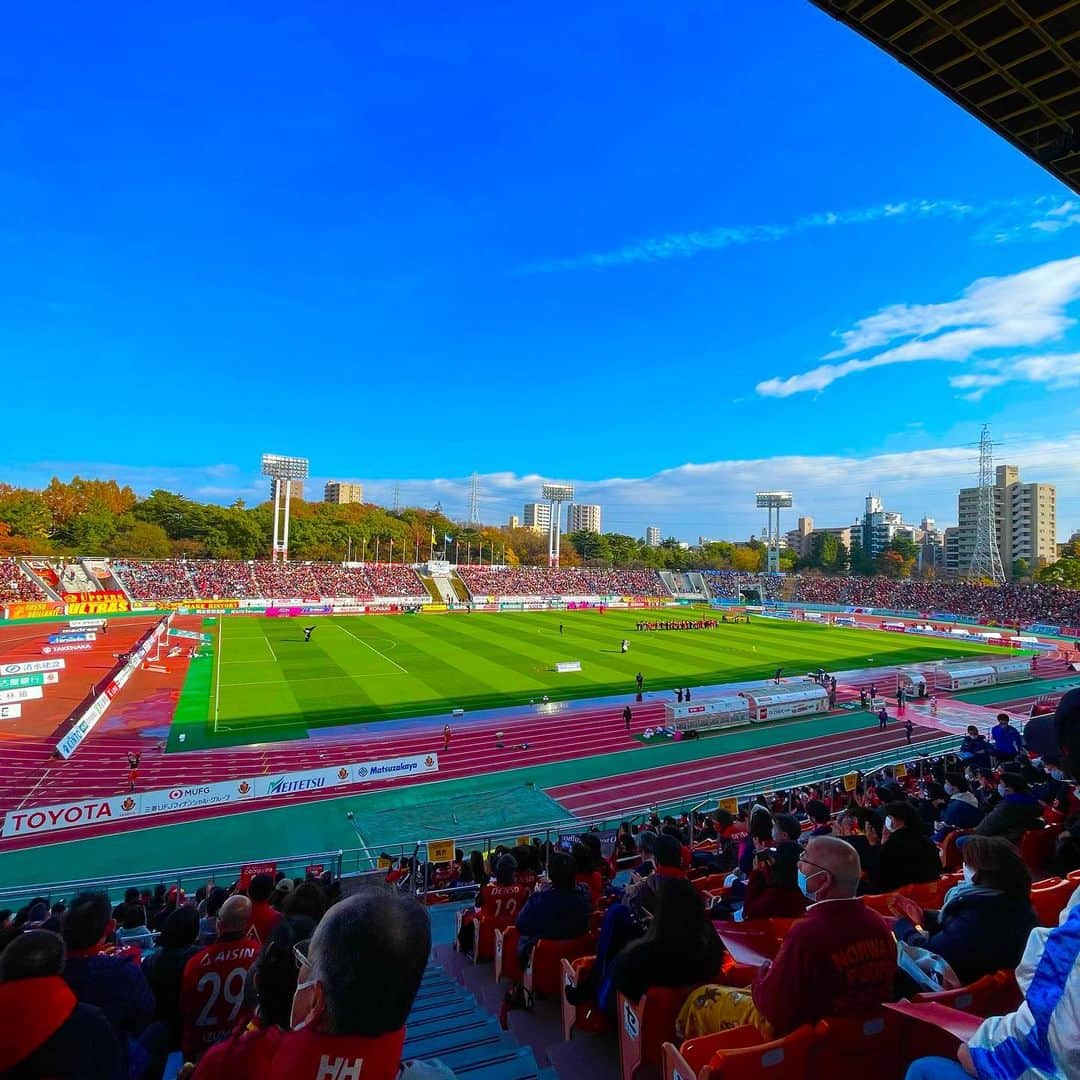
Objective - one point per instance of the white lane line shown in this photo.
(30, 794)
(217, 689)
(372, 648)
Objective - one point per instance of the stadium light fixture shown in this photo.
(773, 502)
(280, 467)
(556, 495)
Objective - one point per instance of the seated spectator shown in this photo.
(986, 790)
(667, 858)
(304, 908)
(1039, 1040)
(974, 749)
(786, 827)
(358, 978)
(907, 854)
(680, 947)
(773, 890)
(274, 976)
(647, 845)
(497, 903)
(962, 811)
(215, 980)
(586, 875)
(134, 930)
(47, 1031)
(164, 968)
(264, 917)
(559, 912)
(984, 921)
(1016, 813)
(819, 814)
(115, 984)
(839, 960)
(208, 923)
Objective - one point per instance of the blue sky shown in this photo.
(669, 255)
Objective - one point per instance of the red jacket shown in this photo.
(273, 1054)
(840, 960)
(264, 918)
(765, 901)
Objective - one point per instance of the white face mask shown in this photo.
(1056, 774)
(890, 825)
(1002, 790)
(949, 789)
(294, 1023)
(969, 874)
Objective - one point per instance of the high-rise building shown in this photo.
(931, 547)
(582, 517)
(652, 536)
(537, 516)
(339, 491)
(1025, 517)
(880, 527)
(513, 522)
(798, 539)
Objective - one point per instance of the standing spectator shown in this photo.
(1008, 742)
(974, 749)
(47, 1031)
(264, 917)
(358, 978)
(907, 854)
(115, 984)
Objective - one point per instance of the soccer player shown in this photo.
(308, 630)
(446, 733)
(640, 681)
(560, 628)
(133, 770)
(779, 672)
(627, 716)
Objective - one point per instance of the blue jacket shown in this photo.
(1012, 817)
(977, 931)
(1007, 740)
(962, 811)
(975, 749)
(555, 913)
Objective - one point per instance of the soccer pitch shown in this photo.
(264, 681)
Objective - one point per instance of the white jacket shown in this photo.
(1041, 1040)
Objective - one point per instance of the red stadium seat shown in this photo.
(741, 1054)
(1049, 897)
(506, 960)
(543, 975)
(992, 995)
(585, 1016)
(1037, 846)
(951, 856)
(645, 1026)
(859, 1047)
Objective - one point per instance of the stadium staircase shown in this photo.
(44, 575)
(444, 588)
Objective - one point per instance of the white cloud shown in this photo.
(1011, 312)
(708, 498)
(1057, 370)
(1004, 220)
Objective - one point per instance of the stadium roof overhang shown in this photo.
(1011, 63)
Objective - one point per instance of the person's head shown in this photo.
(214, 899)
(679, 914)
(785, 827)
(561, 870)
(782, 864)
(1012, 783)
(829, 869)
(1003, 719)
(817, 812)
(234, 916)
(873, 826)
(35, 954)
(131, 896)
(180, 929)
(901, 815)
(647, 843)
(505, 869)
(847, 824)
(88, 921)
(307, 899)
(134, 916)
(986, 778)
(593, 846)
(1067, 733)
(363, 966)
(275, 974)
(723, 818)
(477, 868)
(582, 857)
(668, 852)
(992, 862)
(526, 857)
(973, 731)
(761, 824)
(260, 888)
(955, 782)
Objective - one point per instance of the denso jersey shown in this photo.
(501, 903)
(212, 993)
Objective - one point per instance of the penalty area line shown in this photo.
(372, 648)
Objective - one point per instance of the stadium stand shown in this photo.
(544, 581)
(16, 585)
(160, 579)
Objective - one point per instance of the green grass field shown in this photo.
(264, 682)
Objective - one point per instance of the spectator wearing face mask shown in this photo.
(907, 853)
(962, 811)
(1016, 813)
(984, 920)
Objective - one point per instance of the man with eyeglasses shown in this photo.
(356, 983)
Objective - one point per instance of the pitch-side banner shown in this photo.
(145, 804)
(26, 666)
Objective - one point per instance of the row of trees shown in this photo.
(99, 517)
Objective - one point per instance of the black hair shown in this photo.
(32, 955)
(86, 920)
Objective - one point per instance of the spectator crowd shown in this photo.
(542, 581)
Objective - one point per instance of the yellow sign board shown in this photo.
(851, 781)
(385, 862)
(900, 772)
(440, 851)
(523, 841)
(730, 804)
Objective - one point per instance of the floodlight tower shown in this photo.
(773, 502)
(288, 469)
(556, 495)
